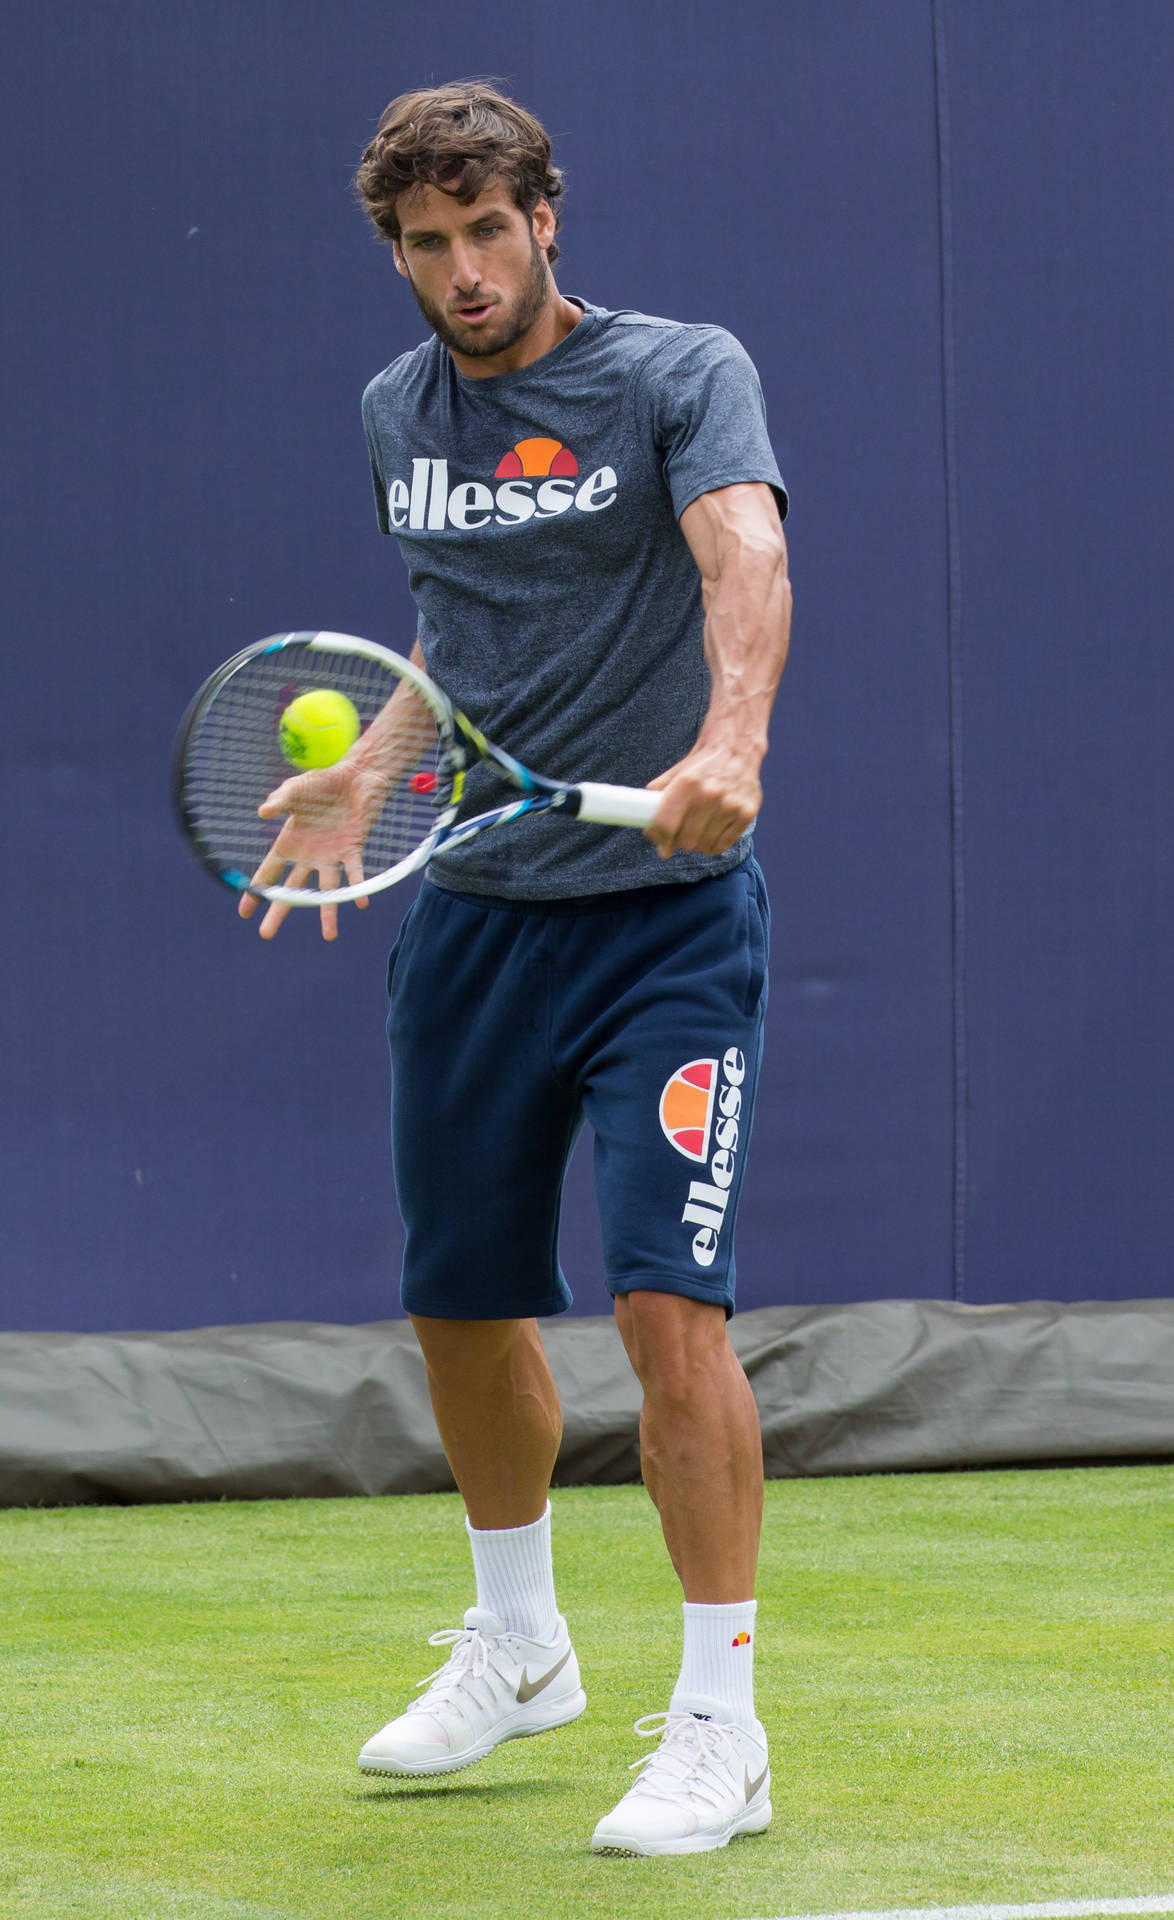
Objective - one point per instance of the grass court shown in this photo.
(967, 1679)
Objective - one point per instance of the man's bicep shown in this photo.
(732, 521)
(706, 414)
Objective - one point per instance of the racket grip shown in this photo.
(617, 806)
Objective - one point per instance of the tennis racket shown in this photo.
(406, 776)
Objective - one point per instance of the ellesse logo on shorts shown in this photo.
(536, 480)
(688, 1105)
(686, 1108)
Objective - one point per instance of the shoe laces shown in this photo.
(688, 1757)
(465, 1672)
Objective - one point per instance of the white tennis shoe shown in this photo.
(494, 1686)
(706, 1781)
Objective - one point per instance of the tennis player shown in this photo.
(590, 513)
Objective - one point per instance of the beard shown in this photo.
(479, 343)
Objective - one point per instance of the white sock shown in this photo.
(515, 1577)
(718, 1662)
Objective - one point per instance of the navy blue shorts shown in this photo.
(513, 1022)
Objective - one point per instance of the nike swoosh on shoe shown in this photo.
(527, 1688)
(752, 1786)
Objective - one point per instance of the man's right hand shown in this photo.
(331, 812)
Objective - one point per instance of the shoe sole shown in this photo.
(567, 1710)
(754, 1820)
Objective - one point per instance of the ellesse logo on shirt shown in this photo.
(535, 480)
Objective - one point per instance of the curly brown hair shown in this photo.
(458, 137)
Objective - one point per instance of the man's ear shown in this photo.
(542, 223)
(401, 265)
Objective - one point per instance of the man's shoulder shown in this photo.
(659, 350)
(409, 372)
(650, 333)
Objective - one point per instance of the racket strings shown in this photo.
(234, 758)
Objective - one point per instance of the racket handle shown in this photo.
(617, 806)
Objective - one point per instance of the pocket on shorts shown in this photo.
(757, 941)
(397, 949)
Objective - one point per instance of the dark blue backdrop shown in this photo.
(945, 233)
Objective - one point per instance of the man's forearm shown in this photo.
(713, 795)
(747, 635)
(737, 541)
(400, 731)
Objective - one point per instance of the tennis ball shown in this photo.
(317, 728)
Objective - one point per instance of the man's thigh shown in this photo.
(482, 1128)
(671, 1092)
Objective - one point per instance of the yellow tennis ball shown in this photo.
(317, 728)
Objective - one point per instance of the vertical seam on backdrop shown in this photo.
(953, 650)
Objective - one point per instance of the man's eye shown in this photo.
(487, 233)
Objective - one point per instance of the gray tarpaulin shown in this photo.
(288, 1409)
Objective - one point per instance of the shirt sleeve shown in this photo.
(377, 480)
(708, 417)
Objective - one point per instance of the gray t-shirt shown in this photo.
(559, 605)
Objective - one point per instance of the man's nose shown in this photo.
(465, 271)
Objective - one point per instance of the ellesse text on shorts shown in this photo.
(706, 1205)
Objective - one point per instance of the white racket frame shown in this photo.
(598, 803)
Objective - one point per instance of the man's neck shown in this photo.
(557, 319)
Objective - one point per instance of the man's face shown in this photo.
(479, 273)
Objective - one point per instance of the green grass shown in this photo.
(967, 1681)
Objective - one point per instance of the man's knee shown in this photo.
(456, 1349)
(670, 1339)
